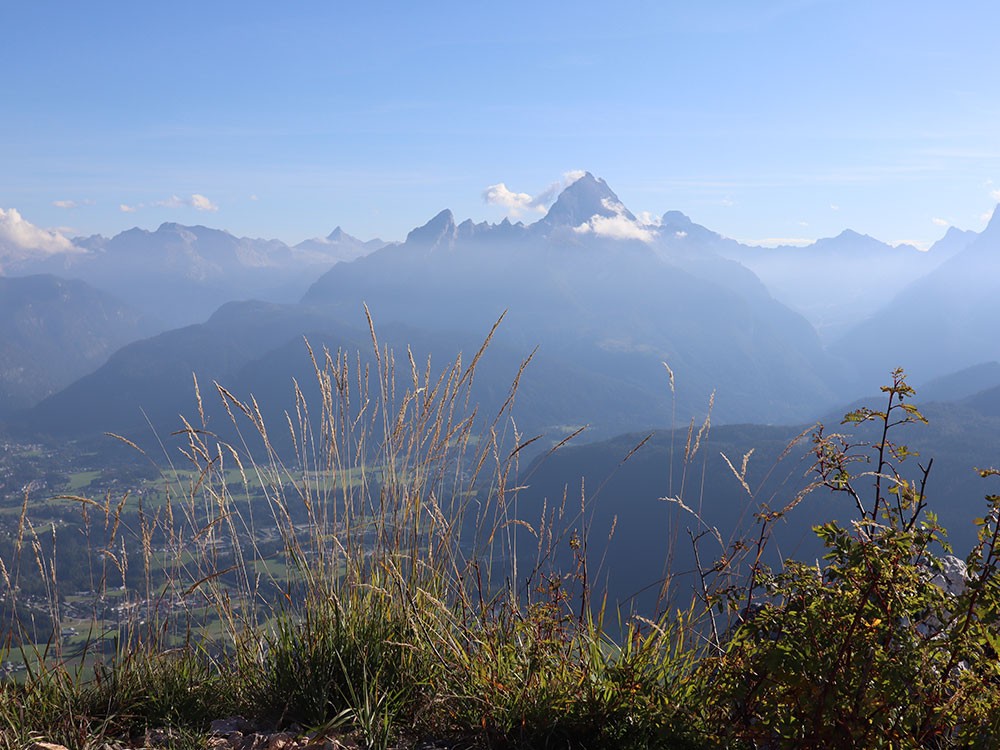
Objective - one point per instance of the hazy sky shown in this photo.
(758, 119)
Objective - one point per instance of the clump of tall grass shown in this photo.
(410, 566)
(379, 578)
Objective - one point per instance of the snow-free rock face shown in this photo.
(439, 231)
(953, 576)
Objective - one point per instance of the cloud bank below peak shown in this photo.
(617, 228)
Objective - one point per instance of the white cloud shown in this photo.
(617, 206)
(995, 195)
(72, 203)
(618, 227)
(197, 201)
(23, 235)
(172, 202)
(515, 203)
(939, 222)
(649, 219)
(680, 234)
(834, 207)
(200, 203)
(518, 204)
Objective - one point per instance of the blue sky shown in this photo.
(761, 120)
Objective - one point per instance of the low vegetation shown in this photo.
(384, 585)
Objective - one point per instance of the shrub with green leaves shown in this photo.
(865, 649)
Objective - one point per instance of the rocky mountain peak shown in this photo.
(589, 196)
(993, 227)
(440, 228)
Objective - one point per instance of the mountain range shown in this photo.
(603, 301)
(839, 282)
(778, 335)
(178, 275)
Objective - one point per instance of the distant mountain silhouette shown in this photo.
(985, 403)
(180, 274)
(940, 323)
(257, 349)
(53, 331)
(152, 380)
(838, 282)
(336, 247)
(962, 384)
